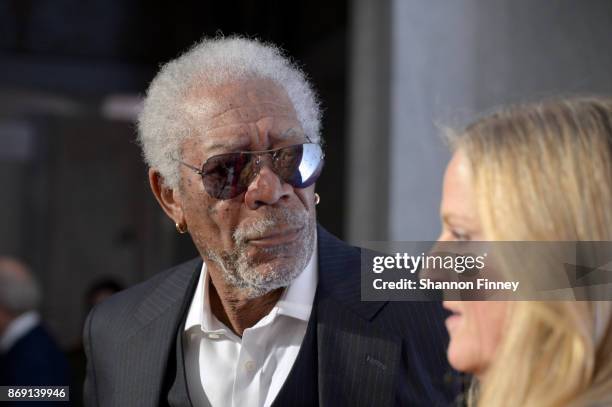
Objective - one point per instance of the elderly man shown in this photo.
(28, 354)
(271, 312)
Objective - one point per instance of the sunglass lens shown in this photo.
(227, 175)
(299, 165)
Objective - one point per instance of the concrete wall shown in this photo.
(449, 61)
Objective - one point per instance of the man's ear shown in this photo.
(168, 198)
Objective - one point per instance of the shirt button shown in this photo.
(214, 336)
(249, 366)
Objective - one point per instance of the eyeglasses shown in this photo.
(226, 176)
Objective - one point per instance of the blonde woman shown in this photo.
(534, 172)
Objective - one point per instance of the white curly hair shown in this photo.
(163, 122)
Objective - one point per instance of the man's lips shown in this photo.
(276, 238)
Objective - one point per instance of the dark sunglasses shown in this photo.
(226, 176)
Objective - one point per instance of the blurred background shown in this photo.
(74, 197)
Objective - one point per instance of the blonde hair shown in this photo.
(544, 172)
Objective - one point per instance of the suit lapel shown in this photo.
(150, 342)
(178, 395)
(357, 363)
(301, 387)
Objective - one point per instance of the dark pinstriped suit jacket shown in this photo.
(354, 353)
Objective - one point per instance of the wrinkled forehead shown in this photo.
(237, 102)
(229, 117)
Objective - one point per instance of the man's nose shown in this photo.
(266, 189)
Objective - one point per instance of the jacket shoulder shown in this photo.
(120, 308)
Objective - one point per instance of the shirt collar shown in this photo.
(18, 328)
(296, 300)
(200, 314)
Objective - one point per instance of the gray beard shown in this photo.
(255, 279)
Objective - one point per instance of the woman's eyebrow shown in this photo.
(450, 217)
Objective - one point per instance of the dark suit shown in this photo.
(354, 353)
(34, 360)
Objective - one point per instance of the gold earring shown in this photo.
(317, 198)
(181, 228)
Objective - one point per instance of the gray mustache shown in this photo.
(272, 221)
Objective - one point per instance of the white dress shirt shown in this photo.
(247, 371)
(17, 329)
